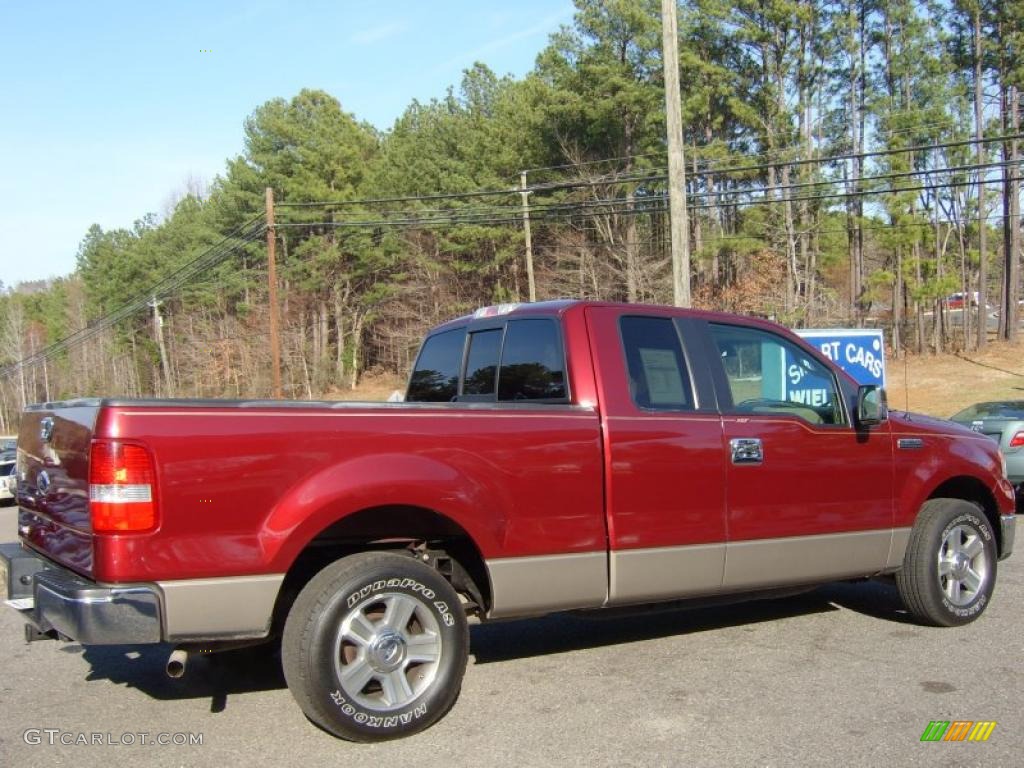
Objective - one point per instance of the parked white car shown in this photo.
(8, 480)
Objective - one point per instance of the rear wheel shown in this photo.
(949, 570)
(375, 647)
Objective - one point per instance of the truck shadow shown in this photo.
(214, 676)
(248, 670)
(876, 598)
(559, 633)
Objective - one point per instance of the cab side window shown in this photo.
(658, 377)
(769, 375)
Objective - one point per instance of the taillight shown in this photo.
(1017, 440)
(121, 481)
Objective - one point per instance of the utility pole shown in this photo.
(275, 342)
(526, 231)
(158, 332)
(676, 169)
(979, 152)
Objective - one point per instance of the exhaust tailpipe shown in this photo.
(176, 663)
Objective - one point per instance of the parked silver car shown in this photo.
(1003, 421)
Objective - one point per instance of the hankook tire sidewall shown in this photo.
(976, 522)
(432, 592)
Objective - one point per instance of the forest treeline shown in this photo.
(849, 162)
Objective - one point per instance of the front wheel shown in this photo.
(375, 647)
(949, 570)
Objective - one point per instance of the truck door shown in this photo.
(664, 467)
(810, 497)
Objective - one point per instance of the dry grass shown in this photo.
(941, 385)
(937, 385)
(373, 387)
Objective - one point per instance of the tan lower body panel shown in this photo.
(521, 586)
(526, 586)
(806, 559)
(665, 573)
(230, 607)
(898, 548)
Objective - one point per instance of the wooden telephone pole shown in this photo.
(526, 232)
(676, 169)
(158, 332)
(275, 342)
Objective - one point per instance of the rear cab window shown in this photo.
(520, 360)
(532, 362)
(482, 364)
(435, 378)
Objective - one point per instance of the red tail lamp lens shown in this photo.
(121, 482)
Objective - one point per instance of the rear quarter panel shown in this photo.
(243, 490)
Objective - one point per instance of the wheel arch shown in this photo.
(972, 489)
(424, 533)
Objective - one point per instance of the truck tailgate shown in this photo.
(53, 482)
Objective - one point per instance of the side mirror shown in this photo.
(871, 406)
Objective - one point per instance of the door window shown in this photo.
(769, 375)
(658, 378)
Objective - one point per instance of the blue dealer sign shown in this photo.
(858, 351)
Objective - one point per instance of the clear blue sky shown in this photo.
(109, 107)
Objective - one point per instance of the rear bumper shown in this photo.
(1008, 526)
(53, 599)
(57, 601)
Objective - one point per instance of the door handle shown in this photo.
(746, 450)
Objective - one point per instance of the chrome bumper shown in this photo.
(1008, 526)
(53, 599)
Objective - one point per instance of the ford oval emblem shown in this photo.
(46, 429)
(43, 482)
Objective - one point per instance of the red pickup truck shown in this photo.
(550, 456)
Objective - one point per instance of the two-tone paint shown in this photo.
(583, 505)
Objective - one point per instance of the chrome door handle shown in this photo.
(746, 450)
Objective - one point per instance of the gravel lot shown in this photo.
(833, 677)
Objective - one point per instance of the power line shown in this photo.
(714, 238)
(375, 200)
(725, 196)
(550, 211)
(764, 153)
(503, 214)
(653, 174)
(865, 155)
(620, 207)
(161, 289)
(593, 162)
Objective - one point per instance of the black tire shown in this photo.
(949, 570)
(342, 631)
